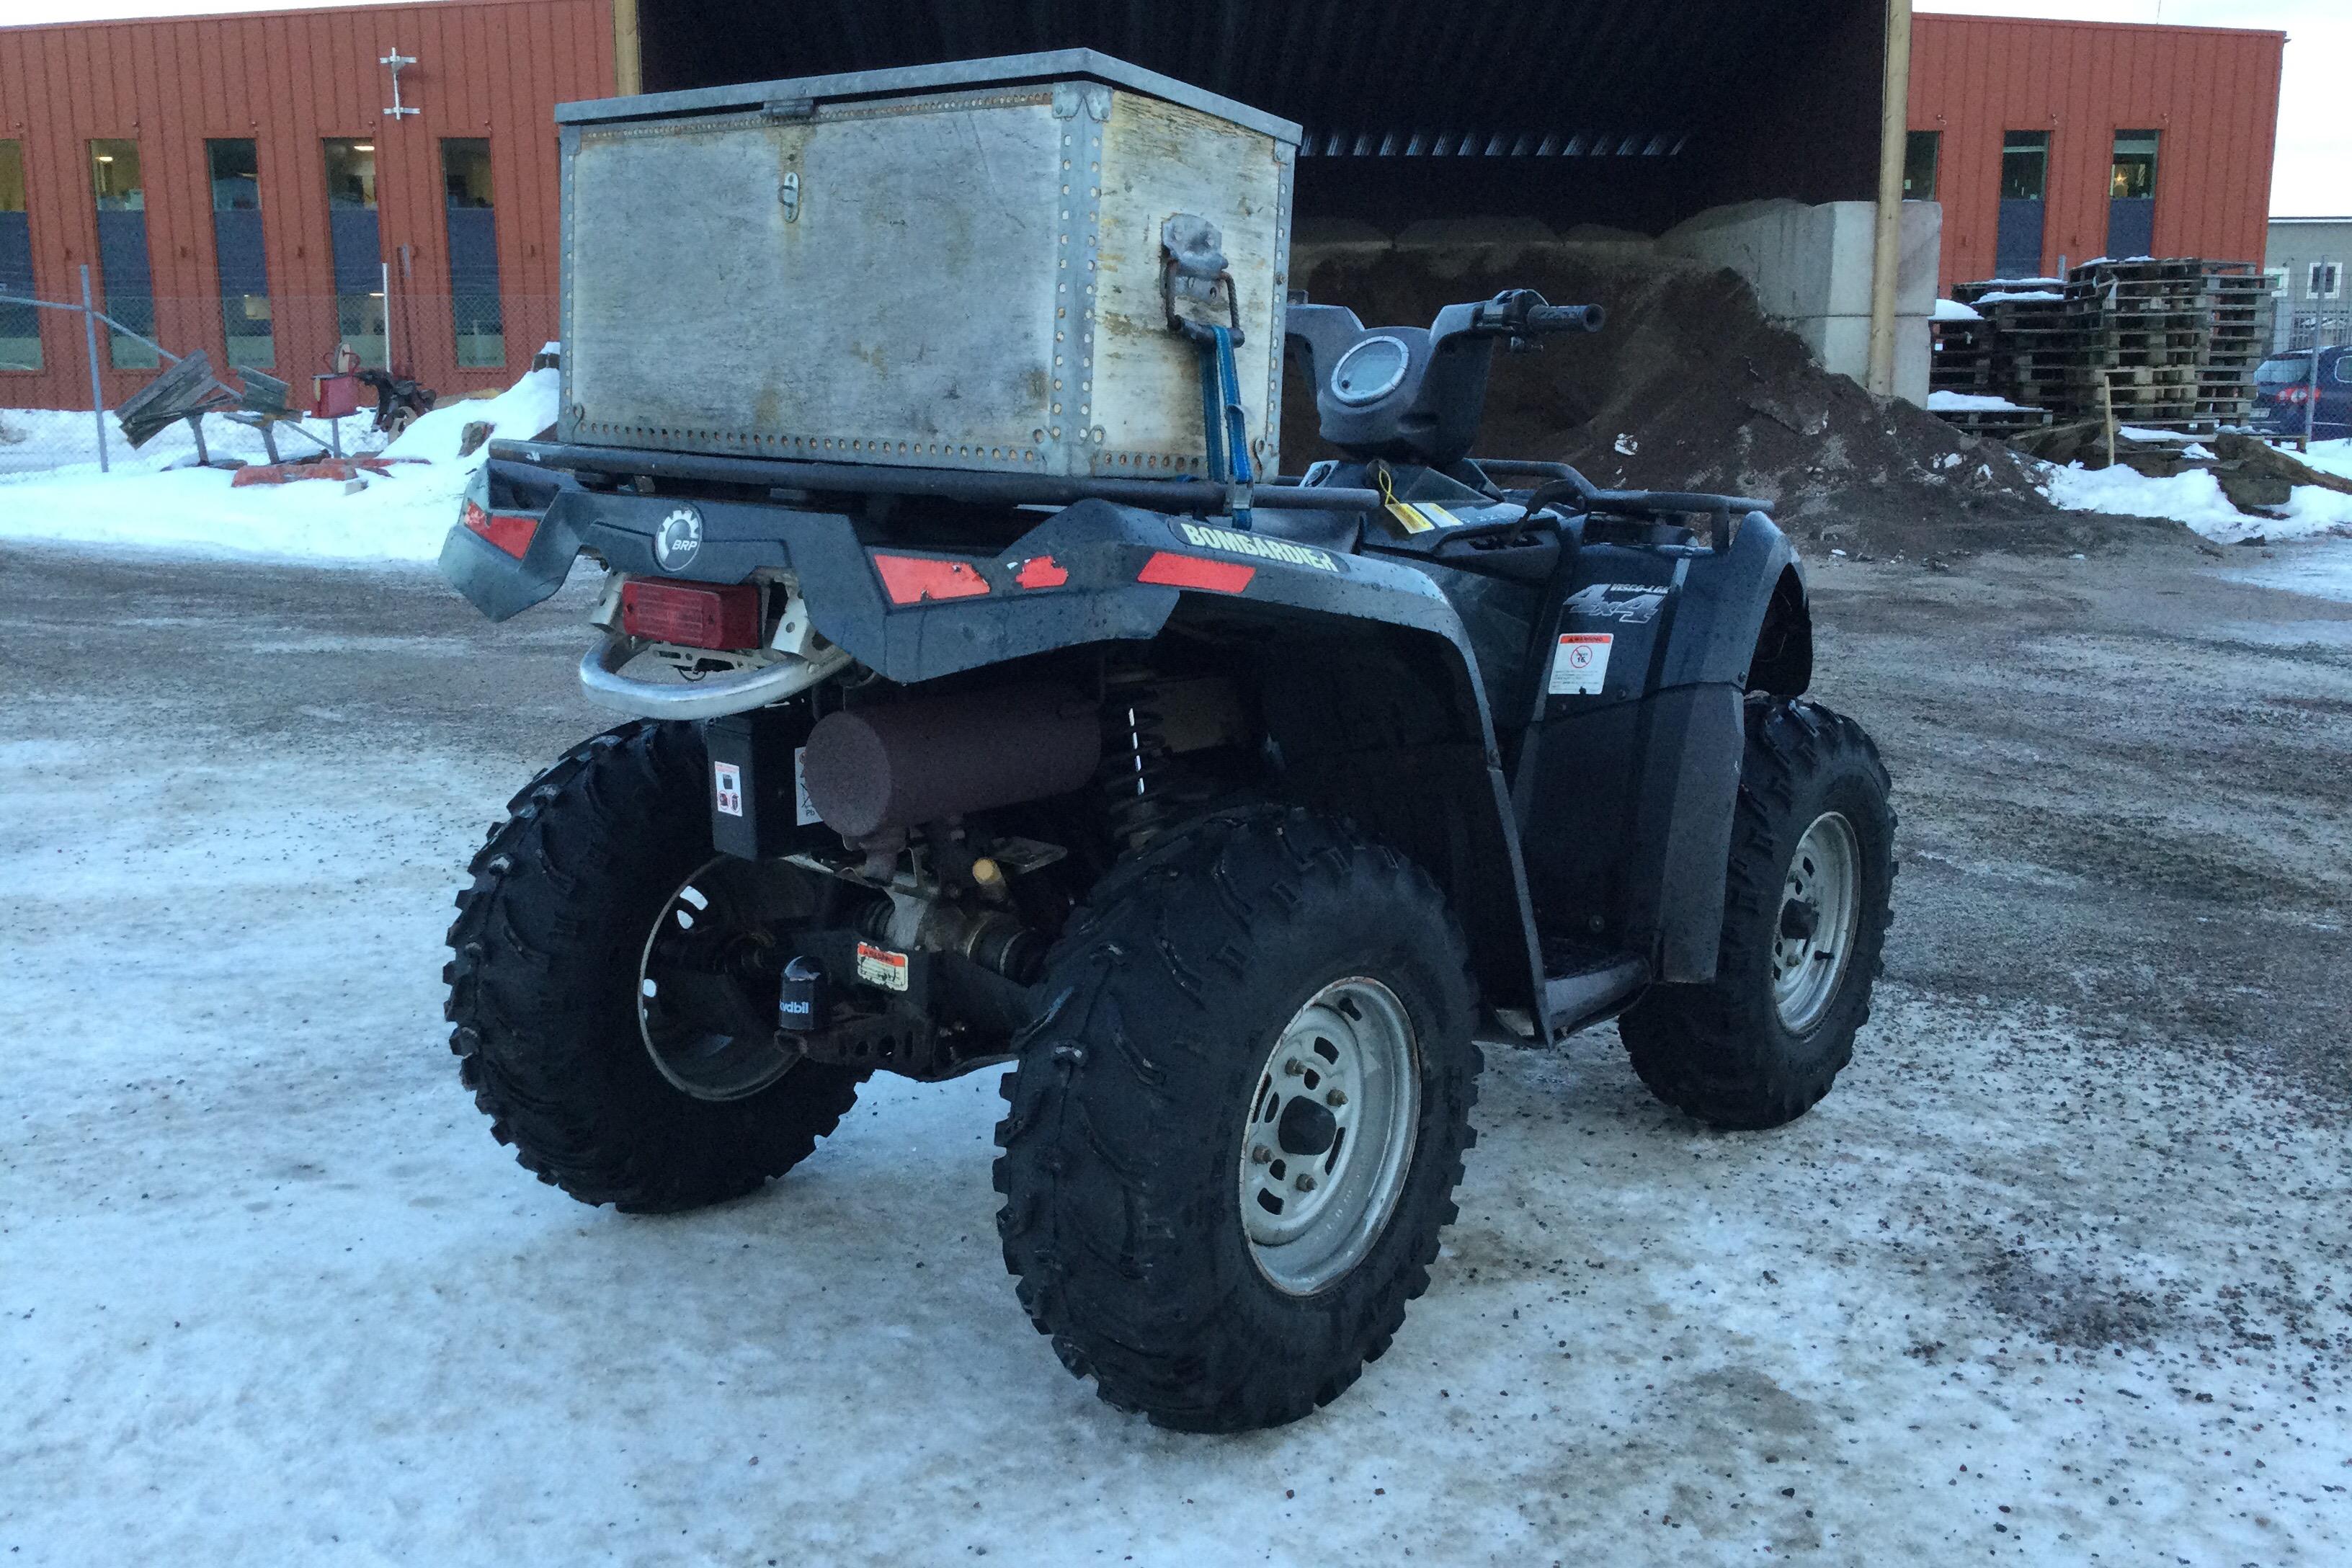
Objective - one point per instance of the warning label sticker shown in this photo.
(727, 788)
(1582, 664)
(880, 966)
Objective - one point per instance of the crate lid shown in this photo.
(998, 71)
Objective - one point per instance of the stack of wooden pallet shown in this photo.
(2171, 344)
(2141, 331)
(2034, 349)
(2239, 298)
(1960, 384)
(1961, 339)
(2175, 340)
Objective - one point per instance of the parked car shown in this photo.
(2283, 387)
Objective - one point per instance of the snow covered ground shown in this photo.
(401, 515)
(2195, 498)
(2022, 1286)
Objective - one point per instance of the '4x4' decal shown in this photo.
(1645, 599)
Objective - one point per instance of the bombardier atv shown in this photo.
(1233, 813)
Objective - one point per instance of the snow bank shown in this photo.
(399, 516)
(2195, 498)
(1974, 402)
(517, 413)
(1953, 310)
(62, 443)
(2330, 457)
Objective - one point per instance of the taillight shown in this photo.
(510, 531)
(692, 614)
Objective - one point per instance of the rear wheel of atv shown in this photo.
(1805, 916)
(601, 1005)
(1238, 1118)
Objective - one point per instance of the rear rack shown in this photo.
(1188, 496)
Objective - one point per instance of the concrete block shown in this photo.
(1842, 344)
(1815, 260)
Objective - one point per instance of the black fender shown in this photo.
(1093, 572)
(1654, 753)
(1728, 599)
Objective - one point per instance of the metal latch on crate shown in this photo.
(1194, 270)
(1191, 270)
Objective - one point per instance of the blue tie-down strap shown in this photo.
(1224, 422)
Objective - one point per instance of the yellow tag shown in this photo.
(1439, 515)
(1407, 516)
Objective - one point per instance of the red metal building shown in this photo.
(237, 184)
(2046, 141)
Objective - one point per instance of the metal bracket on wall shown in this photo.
(398, 60)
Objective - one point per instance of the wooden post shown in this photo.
(628, 62)
(1886, 253)
(2108, 411)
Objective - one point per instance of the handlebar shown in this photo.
(1522, 315)
(1566, 318)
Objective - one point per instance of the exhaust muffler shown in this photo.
(898, 766)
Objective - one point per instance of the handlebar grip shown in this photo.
(1566, 318)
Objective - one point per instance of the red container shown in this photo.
(335, 395)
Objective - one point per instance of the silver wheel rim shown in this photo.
(1813, 933)
(1329, 1135)
(705, 1035)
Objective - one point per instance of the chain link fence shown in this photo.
(59, 388)
(2307, 323)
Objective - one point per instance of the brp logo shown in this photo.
(678, 540)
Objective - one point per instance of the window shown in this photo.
(2132, 175)
(2323, 280)
(237, 248)
(2024, 165)
(20, 325)
(1919, 152)
(473, 253)
(358, 248)
(2277, 277)
(126, 278)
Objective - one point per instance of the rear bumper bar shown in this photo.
(602, 682)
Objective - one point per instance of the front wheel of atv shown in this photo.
(606, 1021)
(1805, 914)
(1237, 1121)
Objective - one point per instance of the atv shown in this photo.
(1231, 812)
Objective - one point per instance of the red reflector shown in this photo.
(691, 614)
(1042, 572)
(510, 531)
(1170, 569)
(911, 579)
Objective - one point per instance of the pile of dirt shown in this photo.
(1689, 387)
